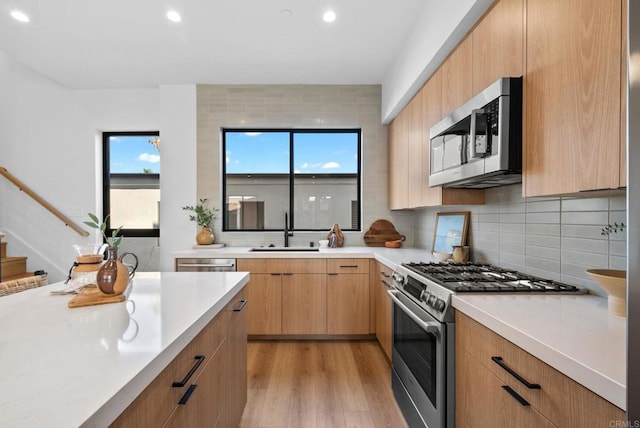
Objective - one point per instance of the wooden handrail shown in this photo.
(24, 188)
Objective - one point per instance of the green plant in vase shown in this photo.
(204, 217)
(114, 240)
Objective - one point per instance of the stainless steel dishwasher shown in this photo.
(197, 264)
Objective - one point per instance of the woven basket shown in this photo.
(15, 286)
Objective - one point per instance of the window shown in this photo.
(131, 182)
(313, 175)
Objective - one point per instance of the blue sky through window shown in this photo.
(268, 152)
(133, 154)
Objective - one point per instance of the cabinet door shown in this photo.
(398, 156)
(205, 404)
(482, 402)
(265, 304)
(384, 308)
(236, 373)
(572, 96)
(498, 44)
(414, 154)
(456, 77)
(304, 304)
(348, 303)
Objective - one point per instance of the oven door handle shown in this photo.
(429, 327)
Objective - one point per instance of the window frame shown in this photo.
(291, 213)
(106, 186)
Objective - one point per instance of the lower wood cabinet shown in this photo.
(205, 385)
(384, 307)
(347, 296)
(487, 394)
(306, 297)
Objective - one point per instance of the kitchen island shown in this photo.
(84, 366)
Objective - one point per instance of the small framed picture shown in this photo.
(451, 230)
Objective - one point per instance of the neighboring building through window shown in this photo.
(313, 175)
(131, 182)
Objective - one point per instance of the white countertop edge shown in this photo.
(119, 402)
(601, 384)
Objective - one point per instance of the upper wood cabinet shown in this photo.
(416, 142)
(498, 44)
(572, 96)
(456, 77)
(398, 157)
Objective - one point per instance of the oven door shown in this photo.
(418, 360)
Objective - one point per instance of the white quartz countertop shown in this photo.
(62, 367)
(391, 257)
(576, 335)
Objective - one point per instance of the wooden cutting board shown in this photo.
(380, 232)
(91, 296)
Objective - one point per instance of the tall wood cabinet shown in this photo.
(572, 96)
(456, 76)
(347, 296)
(398, 162)
(490, 387)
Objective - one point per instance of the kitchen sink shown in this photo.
(282, 249)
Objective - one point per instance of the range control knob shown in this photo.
(431, 300)
(397, 278)
(439, 305)
(424, 295)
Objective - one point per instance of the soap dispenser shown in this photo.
(333, 240)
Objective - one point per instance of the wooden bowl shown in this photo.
(614, 282)
(393, 244)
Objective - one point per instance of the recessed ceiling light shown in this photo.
(19, 16)
(174, 16)
(329, 16)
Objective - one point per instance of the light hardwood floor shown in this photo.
(319, 384)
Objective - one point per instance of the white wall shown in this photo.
(178, 169)
(48, 141)
(429, 45)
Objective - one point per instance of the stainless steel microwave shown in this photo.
(479, 145)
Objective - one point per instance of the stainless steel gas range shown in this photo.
(423, 358)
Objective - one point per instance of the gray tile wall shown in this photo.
(556, 238)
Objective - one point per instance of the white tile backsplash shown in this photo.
(554, 237)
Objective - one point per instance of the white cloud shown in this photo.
(304, 165)
(227, 159)
(331, 165)
(147, 157)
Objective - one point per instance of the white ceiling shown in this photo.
(94, 44)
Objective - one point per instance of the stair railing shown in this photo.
(24, 188)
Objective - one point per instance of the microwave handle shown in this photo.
(477, 150)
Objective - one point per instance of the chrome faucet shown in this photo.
(287, 234)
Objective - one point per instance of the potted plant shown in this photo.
(204, 217)
(613, 281)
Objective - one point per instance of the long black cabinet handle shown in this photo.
(199, 359)
(332, 273)
(349, 266)
(187, 394)
(243, 302)
(386, 283)
(498, 361)
(386, 275)
(276, 274)
(515, 395)
(287, 273)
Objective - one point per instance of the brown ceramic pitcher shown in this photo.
(113, 276)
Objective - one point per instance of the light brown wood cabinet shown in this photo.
(489, 395)
(384, 307)
(498, 44)
(456, 77)
(398, 158)
(347, 296)
(272, 285)
(213, 372)
(572, 96)
(307, 297)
